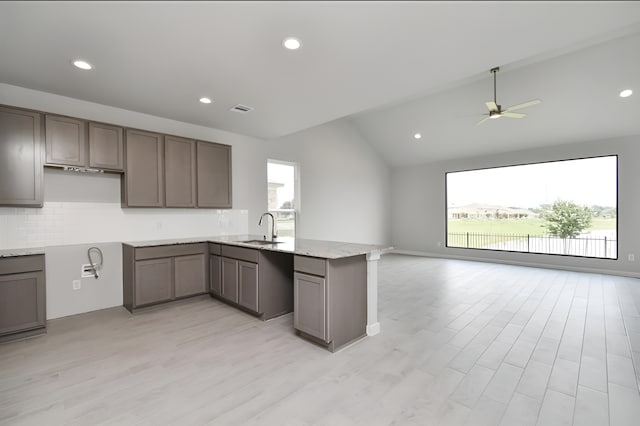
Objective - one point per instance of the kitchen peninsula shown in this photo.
(331, 287)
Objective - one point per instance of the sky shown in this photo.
(590, 181)
(282, 173)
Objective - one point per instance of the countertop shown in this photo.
(21, 252)
(314, 248)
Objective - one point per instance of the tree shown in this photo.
(566, 219)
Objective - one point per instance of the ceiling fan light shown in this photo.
(495, 115)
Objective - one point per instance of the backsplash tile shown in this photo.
(63, 223)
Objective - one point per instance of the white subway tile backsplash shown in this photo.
(63, 223)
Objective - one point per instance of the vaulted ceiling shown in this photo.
(395, 68)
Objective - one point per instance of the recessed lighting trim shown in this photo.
(626, 93)
(83, 65)
(417, 136)
(291, 43)
(205, 100)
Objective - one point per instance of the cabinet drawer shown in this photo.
(215, 249)
(20, 264)
(241, 253)
(310, 265)
(170, 250)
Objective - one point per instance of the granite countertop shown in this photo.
(314, 248)
(21, 252)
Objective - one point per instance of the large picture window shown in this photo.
(567, 207)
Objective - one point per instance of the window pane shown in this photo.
(281, 197)
(561, 207)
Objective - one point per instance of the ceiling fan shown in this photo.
(496, 111)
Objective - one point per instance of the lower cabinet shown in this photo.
(248, 285)
(309, 305)
(230, 279)
(154, 282)
(160, 274)
(189, 273)
(330, 299)
(259, 281)
(22, 297)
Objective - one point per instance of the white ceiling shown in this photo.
(400, 67)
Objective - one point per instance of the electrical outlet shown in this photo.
(76, 284)
(632, 257)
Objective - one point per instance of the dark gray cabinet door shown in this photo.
(21, 171)
(309, 305)
(230, 279)
(214, 175)
(22, 302)
(144, 171)
(215, 278)
(66, 140)
(180, 172)
(190, 275)
(106, 147)
(154, 281)
(248, 285)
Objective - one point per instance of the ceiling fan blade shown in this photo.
(523, 105)
(513, 114)
(492, 106)
(482, 121)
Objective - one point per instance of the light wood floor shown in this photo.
(462, 343)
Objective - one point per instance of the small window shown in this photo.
(282, 199)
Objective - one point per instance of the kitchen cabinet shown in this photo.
(213, 175)
(143, 182)
(330, 299)
(248, 285)
(22, 297)
(190, 275)
(106, 147)
(153, 281)
(258, 281)
(21, 173)
(309, 304)
(180, 172)
(229, 280)
(66, 141)
(158, 274)
(74, 142)
(215, 270)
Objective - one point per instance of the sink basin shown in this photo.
(261, 242)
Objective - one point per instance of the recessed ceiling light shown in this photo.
(417, 136)
(83, 65)
(205, 100)
(291, 43)
(626, 93)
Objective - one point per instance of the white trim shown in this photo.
(518, 263)
(373, 329)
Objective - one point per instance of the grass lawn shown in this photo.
(514, 226)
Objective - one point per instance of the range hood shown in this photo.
(81, 169)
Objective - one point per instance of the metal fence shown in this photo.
(603, 247)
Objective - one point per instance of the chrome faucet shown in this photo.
(273, 225)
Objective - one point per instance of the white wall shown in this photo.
(344, 183)
(419, 212)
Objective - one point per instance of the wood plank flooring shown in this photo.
(462, 343)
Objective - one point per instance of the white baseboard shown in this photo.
(519, 263)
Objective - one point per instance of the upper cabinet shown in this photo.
(180, 172)
(143, 183)
(214, 175)
(75, 142)
(20, 158)
(66, 141)
(106, 147)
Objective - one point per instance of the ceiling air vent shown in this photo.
(242, 109)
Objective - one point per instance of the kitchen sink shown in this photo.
(262, 242)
